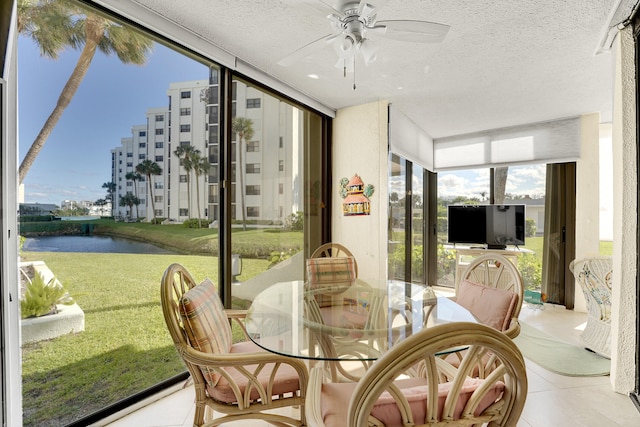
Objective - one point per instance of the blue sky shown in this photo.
(76, 159)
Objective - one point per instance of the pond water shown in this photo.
(102, 244)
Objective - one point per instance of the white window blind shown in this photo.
(409, 141)
(544, 142)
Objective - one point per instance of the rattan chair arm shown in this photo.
(214, 360)
(233, 313)
(514, 328)
(238, 316)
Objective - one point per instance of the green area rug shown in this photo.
(560, 357)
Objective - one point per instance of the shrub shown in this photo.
(277, 257)
(42, 298)
(295, 221)
(193, 223)
(446, 261)
(529, 227)
(38, 218)
(531, 270)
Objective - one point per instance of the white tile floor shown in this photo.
(553, 400)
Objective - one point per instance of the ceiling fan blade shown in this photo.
(306, 50)
(415, 31)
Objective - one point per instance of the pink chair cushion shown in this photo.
(205, 323)
(336, 398)
(491, 306)
(323, 272)
(285, 381)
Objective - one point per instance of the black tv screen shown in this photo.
(495, 226)
(505, 225)
(467, 224)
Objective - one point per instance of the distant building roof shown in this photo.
(527, 202)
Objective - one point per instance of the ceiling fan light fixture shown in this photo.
(368, 50)
(346, 44)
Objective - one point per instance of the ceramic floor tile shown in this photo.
(579, 407)
(537, 383)
(174, 410)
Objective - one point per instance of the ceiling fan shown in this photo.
(353, 23)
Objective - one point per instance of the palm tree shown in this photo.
(55, 25)
(243, 127)
(185, 155)
(135, 177)
(148, 168)
(130, 200)
(200, 166)
(111, 189)
(500, 184)
(101, 203)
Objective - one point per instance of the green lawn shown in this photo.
(125, 347)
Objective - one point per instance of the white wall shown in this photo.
(625, 202)
(587, 196)
(360, 145)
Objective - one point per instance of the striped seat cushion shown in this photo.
(205, 323)
(322, 272)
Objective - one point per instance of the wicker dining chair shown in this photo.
(333, 250)
(441, 395)
(492, 289)
(236, 380)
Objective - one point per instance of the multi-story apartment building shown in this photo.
(124, 159)
(271, 162)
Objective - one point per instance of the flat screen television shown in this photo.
(494, 226)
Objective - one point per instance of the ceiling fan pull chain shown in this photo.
(354, 72)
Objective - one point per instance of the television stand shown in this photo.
(465, 254)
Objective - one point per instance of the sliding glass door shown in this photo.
(276, 194)
(410, 235)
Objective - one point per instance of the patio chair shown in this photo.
(334, 250)
(594, 276)
(332, 268)
(441, 395)
(237, 380)
(492, 289)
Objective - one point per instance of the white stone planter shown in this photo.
(68, 319)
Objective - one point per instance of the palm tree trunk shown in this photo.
(188, 194)
(198, 199)
(135, 192)
(240, 173)
(500, 184)
(153, 206)
(69, 90)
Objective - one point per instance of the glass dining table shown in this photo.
(356, 321)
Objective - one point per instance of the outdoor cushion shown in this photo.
(491, 306)
(285, 381)
(205, 323)
(329, 271)
(335, 397)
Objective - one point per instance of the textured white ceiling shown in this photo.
(502, 63)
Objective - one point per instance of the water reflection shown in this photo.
(102, 244)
